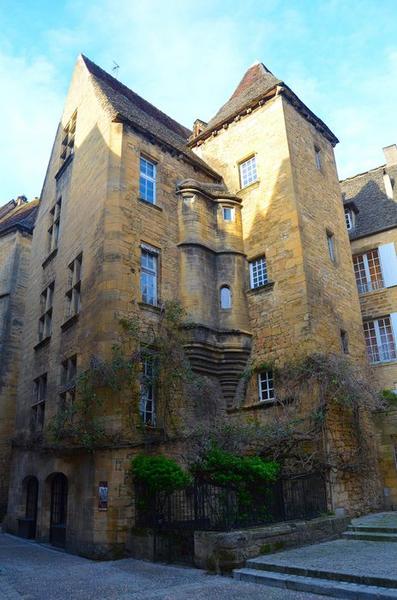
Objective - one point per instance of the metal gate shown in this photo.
(59, 504)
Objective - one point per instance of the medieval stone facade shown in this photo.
(17, 219)
(370, 203)
(240, 221)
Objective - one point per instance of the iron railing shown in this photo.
(206, 506)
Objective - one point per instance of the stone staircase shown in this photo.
(361, 565)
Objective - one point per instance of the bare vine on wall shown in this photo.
(298, 432)
(121, 379)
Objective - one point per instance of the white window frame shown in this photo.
(145, 177)
(266, 380)
(147, 393)
(248, 172)
(225, 210)
(370, 285)
(258, 274)
(349, 218)
(379, 345)
(150, 273)
(317, 157)
(229, 298)
(331, 246)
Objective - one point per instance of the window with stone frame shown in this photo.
(38, 403)
(53, 230)
(68, 137)
(149, 275)
(228, 213)
(344, 341)
(147, 405)
(45, 321)
(331, 246)
(68, 381)
(248, 172)
(73, 294)
(368, 271)
(379, 339)
(266, 386)
(318, 157)
(147, 180)
(258, 272)
(225, 297)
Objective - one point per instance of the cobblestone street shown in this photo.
(31, 571)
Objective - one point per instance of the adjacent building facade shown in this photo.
(239, 220)
(17, 219)
(370, 202)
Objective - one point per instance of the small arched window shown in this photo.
(226, 297)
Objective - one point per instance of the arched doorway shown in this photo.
(27, 525)
(59, 506)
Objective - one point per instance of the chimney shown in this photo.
(21, 200)
(198, 127)
(390, 153)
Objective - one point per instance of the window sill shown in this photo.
(64, 166)
(49, 258)
(69, 322)
(381, 289)
(256, 406)
(44, 342)
(150, 307)
(383, 363)
(261, 288)
(152, 204)
(249, 186)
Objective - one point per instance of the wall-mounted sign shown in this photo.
(103, 492)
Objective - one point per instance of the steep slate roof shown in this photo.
(124, 104)
(376, 211)
(20, 217)
(258, 83)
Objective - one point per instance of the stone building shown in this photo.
(239, 220)
(370, 202)
(17, 219)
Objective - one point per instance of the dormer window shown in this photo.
(349, 217)
(248, 172)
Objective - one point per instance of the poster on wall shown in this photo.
(103, 492)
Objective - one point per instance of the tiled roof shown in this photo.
(18, 217)
(257, 85)
(256, 82)
(121, 102)
(376, 211)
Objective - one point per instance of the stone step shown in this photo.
(263, 564)
(372, 537)
(325, 587)
(372, 529)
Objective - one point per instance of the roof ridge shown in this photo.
(120, 87)
(362, 173)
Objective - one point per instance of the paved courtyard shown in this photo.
(34, 572)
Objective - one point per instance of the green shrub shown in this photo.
(158, 473)
(225, 468)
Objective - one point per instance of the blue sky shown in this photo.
(186, 57)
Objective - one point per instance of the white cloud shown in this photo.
(186, 58)
(30, 106)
